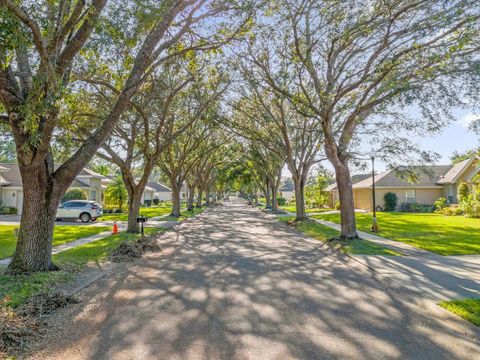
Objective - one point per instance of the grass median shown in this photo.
(329, 236)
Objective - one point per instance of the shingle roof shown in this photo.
(12, 177)
(158, 187)
(455, 171)
(287, 187)
(427, 176)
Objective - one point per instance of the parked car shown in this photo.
(80, 209)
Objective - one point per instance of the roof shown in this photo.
(427, 176)
(456, 171)
(11, 176)
(287, 187)
(158, 187)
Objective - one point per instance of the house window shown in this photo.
(94, 195)
(410, 195)
(451, 194)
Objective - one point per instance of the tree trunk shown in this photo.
(199, 198)
(176, 201)
(300, 198)
(41, 199)
(190, 200)
(134, 200)
(274, 190)
(207, 197)
(267, 196)
(347, 206)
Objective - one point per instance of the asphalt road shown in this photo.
(235, 284)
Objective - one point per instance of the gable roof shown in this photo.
(287, 187)
(452, 175)
(158, 187)
(11, 176)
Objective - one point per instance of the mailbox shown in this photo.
(141, 220)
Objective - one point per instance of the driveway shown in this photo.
(235, 284)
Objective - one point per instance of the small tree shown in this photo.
(75, 194)
(116, 193)
(391, 201)
(463, 192)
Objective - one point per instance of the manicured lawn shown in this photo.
(292, 208)
(444, 235)
(61, 235)
(324, 233)
(468, 309)
(15, 289)
(185, 214)
(146, 211)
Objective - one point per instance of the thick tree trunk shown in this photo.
(207, 197)
(190, 200)
(176, 201)
(134, 200)
(347, 206)
(300, 198)
(41, 199)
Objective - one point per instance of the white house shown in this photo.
(160, 192)
(11, 189)
(287, 191)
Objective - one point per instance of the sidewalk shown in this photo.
(122, 226)
(430, 275)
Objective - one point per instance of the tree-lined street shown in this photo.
(235, 284)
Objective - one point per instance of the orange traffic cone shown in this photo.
(115, 228)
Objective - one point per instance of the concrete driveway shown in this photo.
(234, 284)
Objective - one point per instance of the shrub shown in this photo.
(463, 192)
(156, 201)
(148, 202)
(281, 201)
(117, 211)
(391, 201)
(7, 210)
(416, 208)
(75, 194)
(337, 205)
(440, 204)
(452, 210)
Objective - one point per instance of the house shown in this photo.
(159, 191)
(287, 190)
(432, 182)
(11, 189)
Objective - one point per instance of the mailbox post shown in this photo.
(141, 220)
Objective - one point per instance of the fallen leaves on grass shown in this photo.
(133, 250)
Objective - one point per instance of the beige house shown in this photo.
(432, 183)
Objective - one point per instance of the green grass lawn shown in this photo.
(150, 212)
(324, 233)
(292, 208)
(468, 309)
(444, 235)
(61, 235)
(15, 289)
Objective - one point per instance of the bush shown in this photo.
(7, 210)
(117, 211)
(75, 194)
(440, 204)
(416, 208)
(156, 201)
(147, 202)
(391, 201)
(463, 192)
(281, 201)
(337, 205)
(452, 210)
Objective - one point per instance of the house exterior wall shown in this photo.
(287, 194)
(163, 196)
(363, 197)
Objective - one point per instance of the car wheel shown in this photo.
(84, 218)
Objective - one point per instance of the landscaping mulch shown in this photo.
(133, 250)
